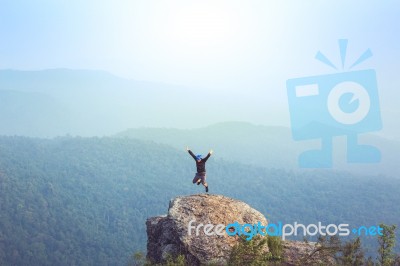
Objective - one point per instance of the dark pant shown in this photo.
(200, 177)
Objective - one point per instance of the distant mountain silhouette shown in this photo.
(57, 102)
(99, 103)
(266, 146)
(91, 103)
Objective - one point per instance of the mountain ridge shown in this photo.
(99, 103)
(265, 146)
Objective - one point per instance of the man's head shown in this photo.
(198, 157)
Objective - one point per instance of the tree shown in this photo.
(386, 243)
(250, 252)
(178, 261)
(275, 246)
(369, 262)
(352, 253)
(324, 252)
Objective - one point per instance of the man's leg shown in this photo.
(203, 181)
(197, 179)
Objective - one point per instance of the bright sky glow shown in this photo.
(247, 48)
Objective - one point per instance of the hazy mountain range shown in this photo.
(87, 103)
(58, 102)
(78, 102)
(73, 200)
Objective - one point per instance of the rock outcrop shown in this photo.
(169, 234)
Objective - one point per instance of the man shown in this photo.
(200, 176)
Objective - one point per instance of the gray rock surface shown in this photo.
(169, 234)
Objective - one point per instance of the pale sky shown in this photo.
(239, 47)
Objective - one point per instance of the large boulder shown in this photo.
(169, 234)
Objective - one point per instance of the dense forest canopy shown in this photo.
(84, 201)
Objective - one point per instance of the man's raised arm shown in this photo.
(208, 155)
(191, 153)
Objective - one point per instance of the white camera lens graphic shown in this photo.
(358, 93)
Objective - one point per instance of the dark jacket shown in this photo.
(201, 166)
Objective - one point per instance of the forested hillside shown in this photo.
(268, 146)
(84, 201)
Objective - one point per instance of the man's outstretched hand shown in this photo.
(187, 149)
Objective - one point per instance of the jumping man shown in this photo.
(200, 176)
